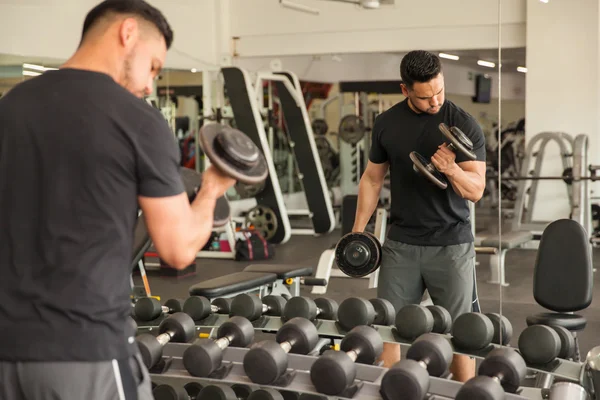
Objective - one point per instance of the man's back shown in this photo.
(76, 149)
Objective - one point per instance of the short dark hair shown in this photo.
(138, 8)
(419, 66)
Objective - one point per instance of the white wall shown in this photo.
(353, 67)
(562, 90)
(52, 28)
(265, 28)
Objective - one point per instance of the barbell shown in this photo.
(567, 177)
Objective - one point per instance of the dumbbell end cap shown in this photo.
(332, 373)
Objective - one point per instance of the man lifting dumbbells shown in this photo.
(430, 243)
(81, 153)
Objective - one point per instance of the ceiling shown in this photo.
(511, 58)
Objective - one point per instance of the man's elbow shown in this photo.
(179, 259)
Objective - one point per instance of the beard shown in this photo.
(127, 78)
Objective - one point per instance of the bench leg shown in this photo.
(324, 270)
(279, 288)
(497, 268)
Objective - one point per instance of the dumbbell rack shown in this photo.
(564, 369)
(368, 377)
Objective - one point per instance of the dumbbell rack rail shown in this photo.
(559, 368)
(368, 377)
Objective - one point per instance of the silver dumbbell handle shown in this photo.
(224, 342)
(165, 338)
(265, 308)
(424, 362)
(353, 354)
(165, 309)
(287, 346)
(214, 309)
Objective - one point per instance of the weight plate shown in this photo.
(384, 312)
(507, 363)
(421, 165)
(234, 153)
(320, 127)
(264, 220)
(459, 141)
(352, 129)
(246, 191)
(507, 329)
(357, 254)
(442, 320)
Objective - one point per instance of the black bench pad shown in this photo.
(282, 271)
(510, 240)
(232, 283)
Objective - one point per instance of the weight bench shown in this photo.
(287, 285)
(233, 284)
(509, 241)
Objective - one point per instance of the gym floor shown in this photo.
(517, 304)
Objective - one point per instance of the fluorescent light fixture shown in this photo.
(31, 73)
(370, 4)
(194, 70)
(37, 67)
(544, 1)
(299, 7)
(486, 63)
(522, 69)
(449, 56)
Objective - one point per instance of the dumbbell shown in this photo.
(459, 142)
(472, 331)
(334, 371)
(267, 360)
(305, 307)
(252, 307)
(503, 330)
(541, 344)
(355, 311)
(167, 392)
(224, 392)
(177, 328)
(199, 307)
(233, 153)
(148, 308)
(206, 355)
(429, 355)
(501, 371)
(414, 320)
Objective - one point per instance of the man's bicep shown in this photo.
(164, 218)
(377, 171)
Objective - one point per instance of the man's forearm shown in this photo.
(469, 185)
(368, 198)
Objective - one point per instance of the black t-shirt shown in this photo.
(421, 213)
(76, 149)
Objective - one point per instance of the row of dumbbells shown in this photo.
(471, 332)
(196, 391)
(334, 372)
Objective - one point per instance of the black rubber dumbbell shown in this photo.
(541, 344)
(414, 320)
(334, 371)
(503, 330)
(501, 371)
(408, 379)
(148, 308)
(199, 307)
(472, 332)
(206, 355)
(177, 328)
(224, 392)
(267, 360)
(252, 307)
(167, 392)
(356, 311)
(305, 307)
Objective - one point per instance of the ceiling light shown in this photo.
(194, 70)
(299, 7)
(449, 56)
(522, 69)
(31, 73)
(486, 63)
(544, 1)
(370, 4)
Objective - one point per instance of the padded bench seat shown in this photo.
(510, 240)
(282, 271)
(230, 284)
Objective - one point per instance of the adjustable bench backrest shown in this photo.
(563, 280)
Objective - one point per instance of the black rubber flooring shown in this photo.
(517, 304)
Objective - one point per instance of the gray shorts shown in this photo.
(126, 379)
(447, 272)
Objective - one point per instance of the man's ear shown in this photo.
(129, 31)
(404, 89)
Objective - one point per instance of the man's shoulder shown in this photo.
(458, 113)
(393, 112)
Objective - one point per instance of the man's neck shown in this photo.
(87, 59)
(412, 107)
